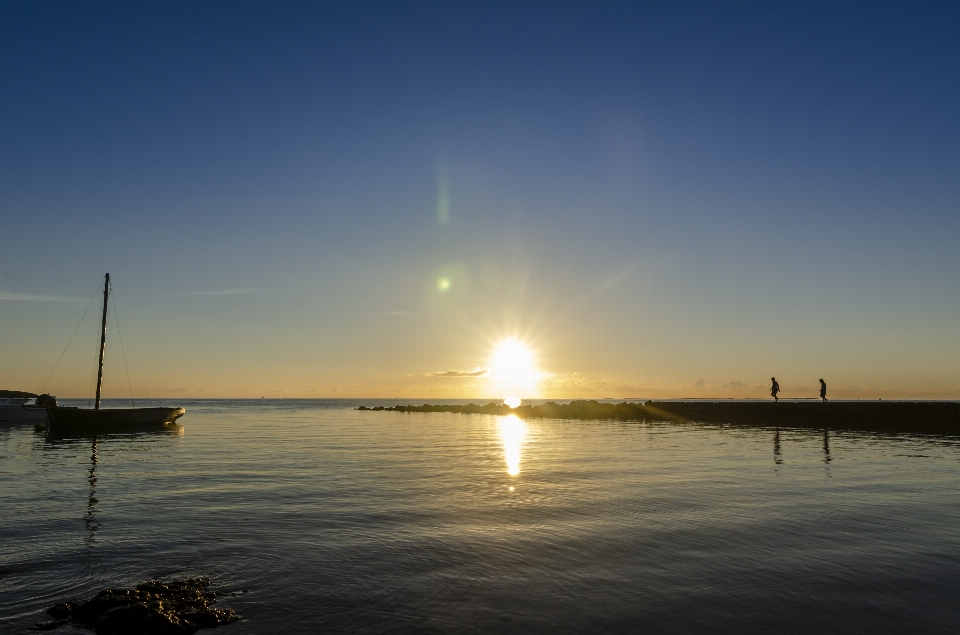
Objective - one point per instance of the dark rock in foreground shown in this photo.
(929, 417)
(178, 607)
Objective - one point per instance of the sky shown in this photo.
(333, 199)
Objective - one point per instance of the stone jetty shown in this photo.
(924, 417)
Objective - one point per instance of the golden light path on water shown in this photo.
(512, 433)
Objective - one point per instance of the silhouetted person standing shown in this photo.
(823, 391)
(774, 389)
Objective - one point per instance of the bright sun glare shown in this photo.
(514, 370)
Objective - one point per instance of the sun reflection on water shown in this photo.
(512, 432)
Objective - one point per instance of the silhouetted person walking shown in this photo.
(774, 389)
(823, 391)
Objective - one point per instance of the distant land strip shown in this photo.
(926, 417)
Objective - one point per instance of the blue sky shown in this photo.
(648, 194)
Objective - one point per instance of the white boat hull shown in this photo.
(23, 414)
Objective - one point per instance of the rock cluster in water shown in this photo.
(576, 409)
(177, 607)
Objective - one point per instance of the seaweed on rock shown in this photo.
(176, 607)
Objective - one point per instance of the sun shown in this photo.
(513, 369)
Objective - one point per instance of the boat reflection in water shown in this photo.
(512, 433)
(90, 520)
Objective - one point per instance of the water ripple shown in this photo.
(318, 517)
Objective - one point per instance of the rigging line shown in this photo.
(122, 352)
(71, 338)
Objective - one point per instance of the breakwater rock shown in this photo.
(925, 417)
(177, 607)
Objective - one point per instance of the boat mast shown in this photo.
(103, 338)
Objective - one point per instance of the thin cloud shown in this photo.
(735, 385)
(577, 385)
(473, 372)
(225, 292)
(617, 278)
(30, 297)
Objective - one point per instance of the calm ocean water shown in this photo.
(314, 517)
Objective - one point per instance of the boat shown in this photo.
(21, 407)
(65, 421)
